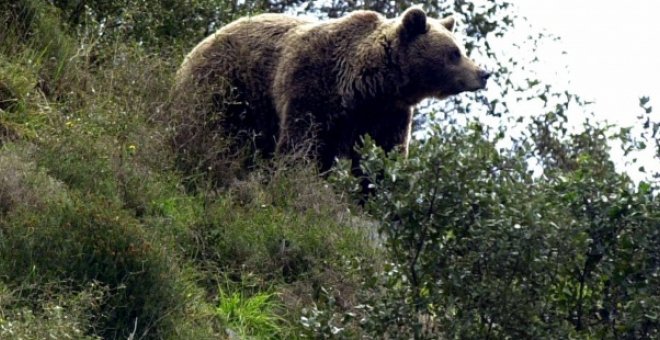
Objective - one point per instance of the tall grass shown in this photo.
(99, 237)
(250, 316)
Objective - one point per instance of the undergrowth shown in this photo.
(99, 235)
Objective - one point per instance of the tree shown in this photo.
(494, 233)
(482, 248)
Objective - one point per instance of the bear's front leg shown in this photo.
(298, 130)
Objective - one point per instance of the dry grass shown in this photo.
(23, 185)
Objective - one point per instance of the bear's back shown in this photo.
(244, 51)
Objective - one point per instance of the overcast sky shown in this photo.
(613, 50)
(613, 57)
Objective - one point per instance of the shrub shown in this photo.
(56, 315)
(481, 248)
(91, 240)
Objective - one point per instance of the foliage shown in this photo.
(63, 315)
(481, 247)
(89, 195)
(526, 229)
(159, 24)
(251, 316)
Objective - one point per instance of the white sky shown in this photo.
(613, 50)
(613, 55)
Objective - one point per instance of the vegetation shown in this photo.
(251, 317)
(525, 228)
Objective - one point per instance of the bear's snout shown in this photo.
(483, 77)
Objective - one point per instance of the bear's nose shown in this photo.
(483, 76)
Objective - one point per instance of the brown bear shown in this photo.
(282, 81)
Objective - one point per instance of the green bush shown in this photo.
(91, 240)
(60, 315)
(481, 248)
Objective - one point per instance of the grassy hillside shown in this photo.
(524, 230)
(99, 238)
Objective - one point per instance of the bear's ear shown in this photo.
(449, 23)
(414, 22)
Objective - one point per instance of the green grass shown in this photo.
(56, 316)
(99, 235)
(250, 316)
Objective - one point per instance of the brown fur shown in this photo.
(334, 80)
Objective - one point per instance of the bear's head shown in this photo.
(432, 60)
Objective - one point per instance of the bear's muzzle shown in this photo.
(483, 77)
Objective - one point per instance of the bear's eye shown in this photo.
(455, 55)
